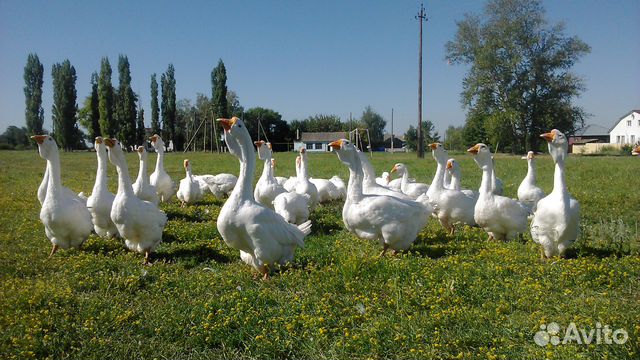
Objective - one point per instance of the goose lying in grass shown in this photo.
(65, 217)
(501, 217)
(528, 193)
(101, 199)
(394, 222)
(139, 222)
(370, 186)
(413, 189)
(159, 178)
(556, 222)
(142, 188)
(340, 186)
(263, 237)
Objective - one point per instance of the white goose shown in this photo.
(501, 217)
(303, 185)
(267, 188)
(383, 179)
(292, 206)
(450, 206)
(528, 193)
(413, 189)
(556, 222)
(340, 186)
(190, 190)
(139, 222)
(142, 188)
(394, 222)
(220, 185)
(67, 222)
(42, 189)
(159, 178)
(263, 237)
(455, 175)
(369, 184)
(292, 181)
(101, 199)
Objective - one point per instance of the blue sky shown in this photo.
(300, 58)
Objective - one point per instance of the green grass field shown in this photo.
(450, 297)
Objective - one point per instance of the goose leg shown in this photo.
(384, 250)
(451, 231)
(53, 250)
(147, 255)
(265, 272)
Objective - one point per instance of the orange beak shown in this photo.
(186, 163)
(395, 168)
(530, 155)
(474, 149)
(269, 145)
(98, 139)
(140, 149)
(258, 143)
(336, 145)
(449, 164)
(154, 138)
(303, 150)
(39, 138)
(110, 142)
(227, 123)
(550, 136)
(433, 146)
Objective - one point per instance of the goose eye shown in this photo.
(239, 125)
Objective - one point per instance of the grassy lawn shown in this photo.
(450, 297)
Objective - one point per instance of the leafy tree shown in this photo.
(219, 91)
(140, 140)
(519, 83)
(454, 139)
(168, 105)
(318, 123)
(267, 124)
(155, 109)
(233, 101)
(15, 138)
(126, 104)
(64, 107)
(33, 79)
(108, 125)
(89, 114)
(429, 135)
(376, 124)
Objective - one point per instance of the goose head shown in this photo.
(47, 147)
(142, 153)
(262, 149)
(400, 168)
(530, 155)
(346, 152)
(557, 143)
(481, 155)
(439, 153)
(636, 150)
(453, 167)
(100, 147)
(187, 166)
(157, 142)
(237, 138)
(116, 155)
(303, 154)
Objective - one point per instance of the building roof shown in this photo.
(322, 136)
(592, 130)
(624, 116)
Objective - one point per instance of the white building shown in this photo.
(317, 141)
(627, 129)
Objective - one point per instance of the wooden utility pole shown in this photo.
(422, 16)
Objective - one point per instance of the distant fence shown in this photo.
(594, 148)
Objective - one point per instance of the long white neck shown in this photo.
(369, 176)
(244, 188)
(356, 176)
(55, 183)
(142, 172)
(531, 172)
(124, 181)
(266, 169)
(405, 179)
(455, 180)
(447, 180)
(303, 174)
(559, 184)
(486, 185)
(42, 189)
(160, 160)
(101, 173)
(438, 179)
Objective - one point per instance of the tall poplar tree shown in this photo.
(168, 106)
(64, 105)
(108, 125)
(140, 127)
(126, 104)
(33, 79)
(219, 91)
(89, 114)
(155, 111)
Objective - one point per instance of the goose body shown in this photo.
(340, 187)
(455, 177)
(528, 193)
(267, 188)
(142, 188)
(219, 185)
(262, 236)
(65, 217)
(139, 222)
(369, 184)
(393, 222)
(101, 199)
(501, 217)
(412, 189)
(159, 178)
(383, 179)
(303, 185)
(556, 221)
(42, 189)
(190, 190)
(292, 206)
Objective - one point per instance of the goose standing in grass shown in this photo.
(267, 188)
(292, 181)
(450, 206)
(42, 189)
(67, 222)
(101, 199)
(394, 222)
(159, 178)
(528, 193)
(455, 175)
(369, 184)
(139, 222)
(413, 189)
(190, 190)
(221, 184)
(501, 217)
(303, 185)
(142, 188)
(263, 237)
(556, 222)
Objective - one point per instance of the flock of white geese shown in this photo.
(267, 224)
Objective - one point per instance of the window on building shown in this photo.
(628, 122)
(309, 146)
(633, 139)
(318, 146)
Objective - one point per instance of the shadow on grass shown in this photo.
(192, 256)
